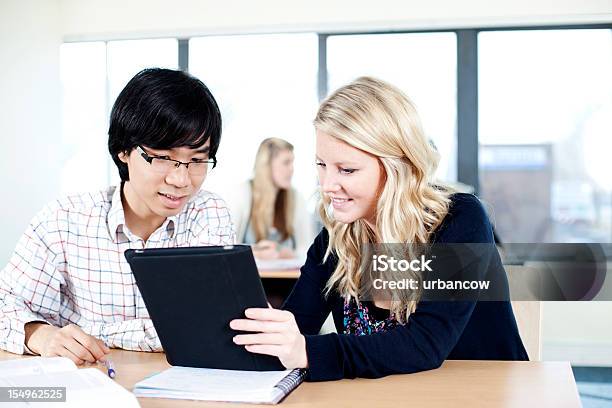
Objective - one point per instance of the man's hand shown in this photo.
(276, 334)
(69, 341)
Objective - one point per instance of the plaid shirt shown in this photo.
(69, 267)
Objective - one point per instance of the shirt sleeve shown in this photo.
(29, 285)
(422, 344)
(213, 223)
(307, 301)
(134, 334)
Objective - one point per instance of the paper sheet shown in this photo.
(35, 365)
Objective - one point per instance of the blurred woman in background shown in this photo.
(267, 212)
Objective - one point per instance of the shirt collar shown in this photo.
(116, 218)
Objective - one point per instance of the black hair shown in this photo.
(162, 109)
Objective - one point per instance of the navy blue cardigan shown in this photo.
(436, 331)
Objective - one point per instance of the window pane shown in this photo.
(85, 156)
(266, 86)
(545, 126)
(127, 58)
(424, 66)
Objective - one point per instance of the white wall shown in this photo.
(580, 332)
(86, 19)
(30, 118)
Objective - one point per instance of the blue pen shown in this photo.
(110, 369)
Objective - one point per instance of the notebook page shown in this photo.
(262, 397)
(212, 384)
(35, 365)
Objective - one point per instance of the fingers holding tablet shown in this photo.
(277, 334)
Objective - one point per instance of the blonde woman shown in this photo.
(375, 173)
(267, 211)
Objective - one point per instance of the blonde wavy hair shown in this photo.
(376, 117)
(270, 206)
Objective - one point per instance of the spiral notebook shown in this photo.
(208, 384)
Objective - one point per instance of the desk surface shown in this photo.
(279, 274)
(456, 383)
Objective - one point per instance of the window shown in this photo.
(83, 77)
(423, 65)
(545, 109)
(266, 86)
(545, 120)
(93, 74)
(127, 58)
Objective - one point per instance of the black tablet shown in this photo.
(192, 294)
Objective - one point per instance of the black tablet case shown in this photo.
(192, 294)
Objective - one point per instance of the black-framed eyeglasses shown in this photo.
(163, 165)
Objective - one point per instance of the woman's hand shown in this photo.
(265, 249)
(276, 334)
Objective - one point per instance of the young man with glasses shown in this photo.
(68, 290)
